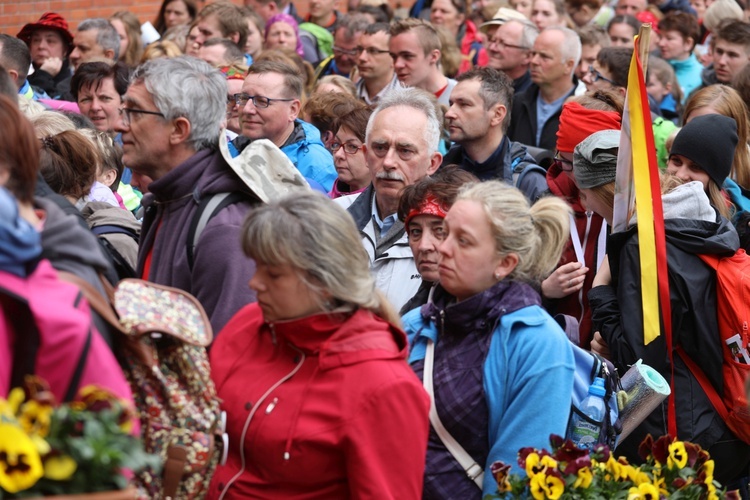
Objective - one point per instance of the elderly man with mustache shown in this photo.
(401, 148)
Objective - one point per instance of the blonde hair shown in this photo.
(728, 102)
(342, 82)
(161, 49)
(536, 234)
(50, 123)
(316, 237)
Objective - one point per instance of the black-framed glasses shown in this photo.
(562, 163)
(371, 51)
(349, 148)
(259, 101)
(346, 52)
(501, 44)
(596, 76)
(126, 113)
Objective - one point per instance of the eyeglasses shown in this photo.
(371, 51)
(596, 76)
(349, 148)
(562, 163)
(126, 114)
(259, 101)
(346, 52)
(501, 44)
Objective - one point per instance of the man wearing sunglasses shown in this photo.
(170, 123)
(345, 40)
(269, 105)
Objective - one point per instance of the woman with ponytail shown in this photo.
(319, 398)
(501, 368)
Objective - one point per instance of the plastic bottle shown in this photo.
(585, 434)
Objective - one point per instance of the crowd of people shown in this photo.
(398, 224)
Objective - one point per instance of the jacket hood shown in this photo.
(63, 238)
(344, 339)
(98, 213)
(692, 224)
(563, 186)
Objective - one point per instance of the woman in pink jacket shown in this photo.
(319, 398)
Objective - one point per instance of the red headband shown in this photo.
(430, 206)
(577, 123)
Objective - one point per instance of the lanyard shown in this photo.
(601, 240)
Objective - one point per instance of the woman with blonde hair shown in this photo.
(313, 376)
(487, 351)
(161, 49)
(128, 27)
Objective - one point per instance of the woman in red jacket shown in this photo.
(319, 398)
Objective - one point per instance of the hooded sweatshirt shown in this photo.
(221, 271)
(330, 406)
(692, 227)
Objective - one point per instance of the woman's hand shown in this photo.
(52, 65)
(603, 275)
(566, 279)
(600, 347)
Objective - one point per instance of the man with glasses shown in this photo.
(345, 40)
(269, 105)
(477, 121)
(374, 63)
(509, 50)
(170, 123)
(536, 111)
(401, 148)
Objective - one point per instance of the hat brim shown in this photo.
(29, 29)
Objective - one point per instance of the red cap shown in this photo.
(48, 21)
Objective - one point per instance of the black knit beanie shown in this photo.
(708, 141)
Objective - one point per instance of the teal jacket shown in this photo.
(528, 381)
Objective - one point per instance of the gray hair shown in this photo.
(318, 239)
(106, 35)
(187, 87)
(419, 100)
(529, 33)
(535, 234)
(571, 46)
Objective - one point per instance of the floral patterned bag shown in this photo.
(165, 334)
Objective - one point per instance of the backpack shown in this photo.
(320, 38)
(164, 333)
(208, 207)
(588, 366)
(49, 326)
(733, 314)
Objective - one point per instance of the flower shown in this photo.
(671, 469)
(20, 464)
(60, 468)
(35, 417)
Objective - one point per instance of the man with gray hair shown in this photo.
(170, 123)
(95, 38)
(345, 39)
(535, 116)
(509, 50)
(401, 148)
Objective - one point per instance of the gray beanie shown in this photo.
(594, 161)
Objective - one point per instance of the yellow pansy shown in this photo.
(677, 455)
(644, 491)
(60, 468)
(584, 478)
(35, 418)
(20, 464)
(537, 485)
(550, 487)
(555, 487)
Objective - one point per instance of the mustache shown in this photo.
(390, 176)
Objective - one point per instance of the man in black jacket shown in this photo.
(477, 121)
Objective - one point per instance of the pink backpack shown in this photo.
(46, 330)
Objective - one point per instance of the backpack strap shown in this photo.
(705, 384)
(522, 169)
(473, 470)
(208, 207)
(75, 379)
(112, 229)
(102, 305)
(26, 346)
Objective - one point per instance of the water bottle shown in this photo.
(585, 434)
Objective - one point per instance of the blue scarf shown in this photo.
(20, 243)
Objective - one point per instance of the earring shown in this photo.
(497, 276)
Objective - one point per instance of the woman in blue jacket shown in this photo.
(503, 369)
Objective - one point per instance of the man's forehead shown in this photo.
(86, 37)
(387, 128)
(727, 46)
(342, 37)
(266, 81)
(381, 37)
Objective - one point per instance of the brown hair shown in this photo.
(601, 100)
(229, 17)
(355, 121)
(683, 23)
(19, 150)
(425, 31)
(68, 163)
(161, 25)
(286, 63)
(444, 185)
(132, 55)
(322, 109)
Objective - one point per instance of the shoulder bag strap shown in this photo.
(473, 470)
